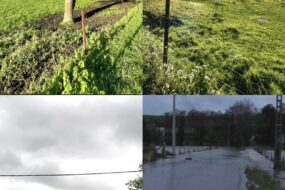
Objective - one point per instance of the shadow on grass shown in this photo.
(92, 12)
(157, 21)
(53, 21)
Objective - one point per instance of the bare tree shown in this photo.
(243, 126)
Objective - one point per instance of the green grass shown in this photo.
(261, 180)
(112, 64)
(27, 54)
(231, 47)
(16, 13)
(42, 61)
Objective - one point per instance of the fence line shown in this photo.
(233, 88)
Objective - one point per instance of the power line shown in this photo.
(233, 88)
(71, 174)
(242, 77)
(188, 100)
(188, 103)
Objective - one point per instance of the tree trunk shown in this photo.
(68, 11)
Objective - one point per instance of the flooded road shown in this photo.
(211, 169)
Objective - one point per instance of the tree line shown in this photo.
(242, 124)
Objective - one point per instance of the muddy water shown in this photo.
(212, 169)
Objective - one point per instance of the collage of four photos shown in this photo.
(142, 95)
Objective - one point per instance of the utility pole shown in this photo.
(166, 31)
(174, 126)
(163, 142)
(229, 129)
(278, 133)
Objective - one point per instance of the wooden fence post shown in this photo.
(83, 30)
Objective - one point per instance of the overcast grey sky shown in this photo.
(157, 105)
(69, 134)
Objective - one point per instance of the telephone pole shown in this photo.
(278, 133)
(163, 141)
(174, 126)
(229, 129)
(166, 31)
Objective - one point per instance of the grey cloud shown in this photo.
(9, 162)
(90, 128)
(48, 125)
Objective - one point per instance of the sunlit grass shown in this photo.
(18, 12)
(240, 43)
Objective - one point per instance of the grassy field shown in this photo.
(50, 60)
(216, 47)
(18, 12)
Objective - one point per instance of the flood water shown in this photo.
(211, 169)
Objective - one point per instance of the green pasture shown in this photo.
(218, 47)
(44, 61)
(19, 12)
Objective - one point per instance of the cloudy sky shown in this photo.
(69, 134)
(157, 105)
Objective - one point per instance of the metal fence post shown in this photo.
(166, 31)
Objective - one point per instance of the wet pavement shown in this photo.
(211, 169)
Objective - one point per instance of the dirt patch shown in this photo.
(53, 22)
(96, 21)
(154, 20)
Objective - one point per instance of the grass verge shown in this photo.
(261, 180)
